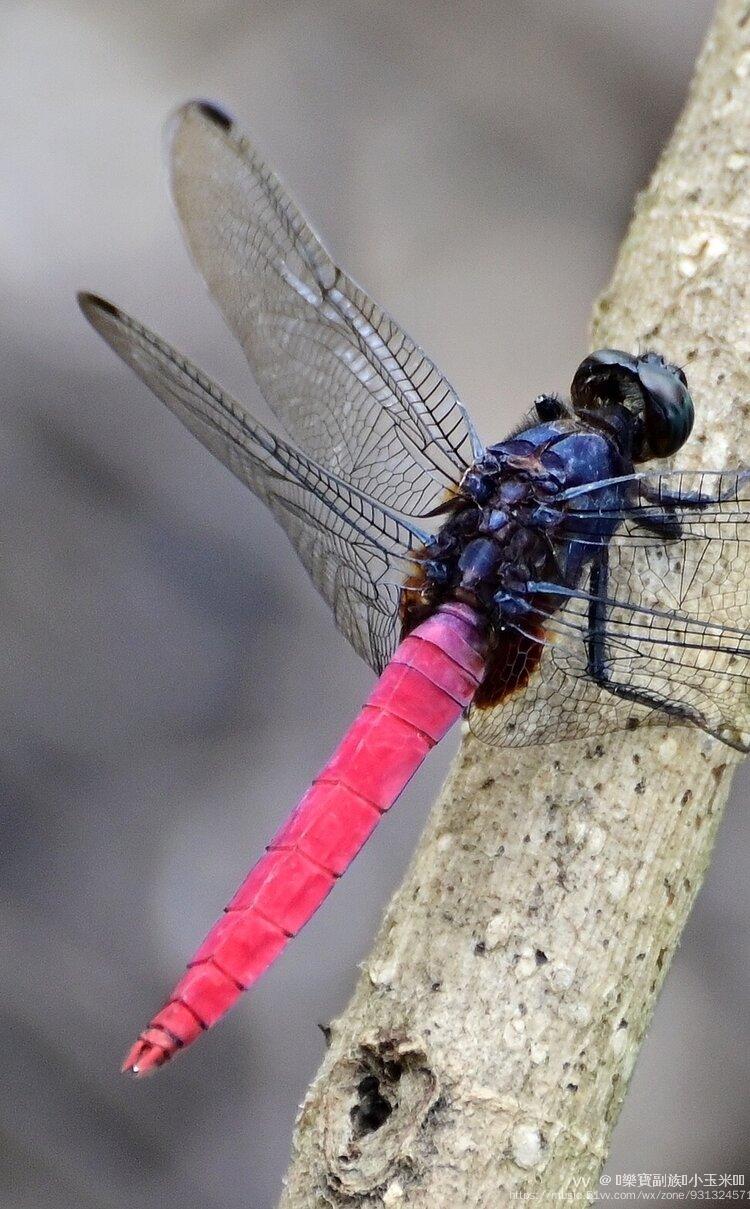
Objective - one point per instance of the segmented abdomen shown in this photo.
(431, 678)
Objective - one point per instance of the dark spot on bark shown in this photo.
(560, 879)
(526, 839)
(436, 986)
(636, 758)
(640, 788)
(327, 1033)
(541, 957)
(698, 822)
(640, 956)
(669, 890)
(373, 1110)
(687, 795)
(480, 948)
(571, 1087)
(488, 783)
(652, 331)
(623, 1023)
(660, 958)
(718, 772)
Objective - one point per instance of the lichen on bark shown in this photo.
(489, 1043)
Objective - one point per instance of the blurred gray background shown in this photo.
(168, 679)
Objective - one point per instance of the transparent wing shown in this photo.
(712, 504)
(347, 383)
(356, 551)
(662, 637)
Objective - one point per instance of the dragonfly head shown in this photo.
(645, 395)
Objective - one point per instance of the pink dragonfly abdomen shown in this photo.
(425, 687)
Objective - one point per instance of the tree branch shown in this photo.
(490, 1041)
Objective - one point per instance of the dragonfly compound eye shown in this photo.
(651, 389)
(668, 412)
(607, 376)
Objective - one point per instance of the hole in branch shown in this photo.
(373, 1109)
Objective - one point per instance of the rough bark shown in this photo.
(488, 1046)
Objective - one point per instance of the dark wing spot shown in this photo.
(215, 114)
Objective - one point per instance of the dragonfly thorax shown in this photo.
(493, 548)
(505, 526)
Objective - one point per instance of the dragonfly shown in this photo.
(551, 586)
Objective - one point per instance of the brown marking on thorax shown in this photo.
(512, 659)
(415, 606)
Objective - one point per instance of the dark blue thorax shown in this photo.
(510, 526)
(575, 457)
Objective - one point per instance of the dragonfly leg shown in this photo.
(667, 525)
(596, 649)
(694, 499)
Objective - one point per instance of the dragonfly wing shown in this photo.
(672, 622)
(347, 383)
(560, 701)
(357, 551)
